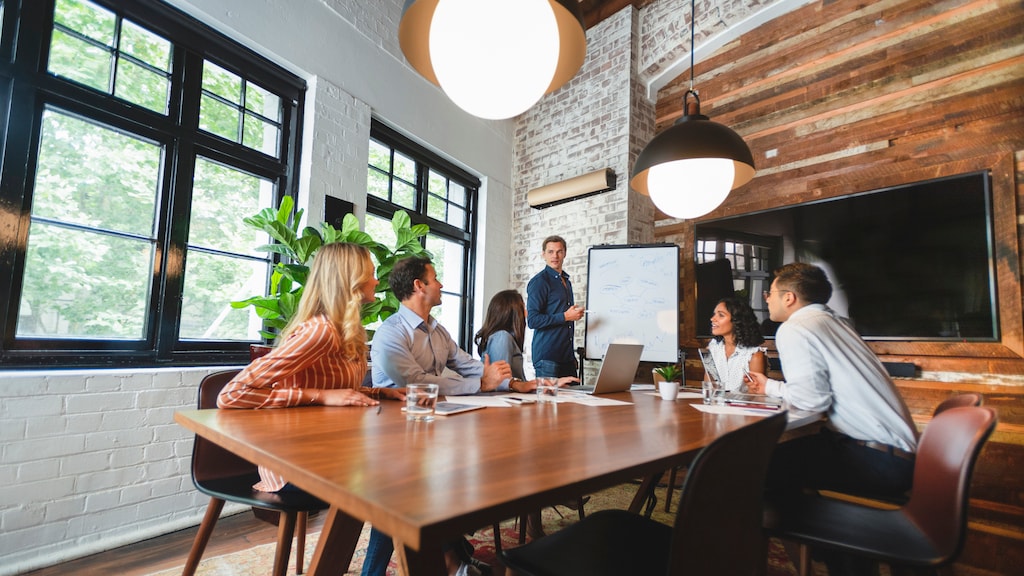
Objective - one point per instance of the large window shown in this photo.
(136, 141)
(405, 176)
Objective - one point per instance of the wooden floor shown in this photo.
(233, 533)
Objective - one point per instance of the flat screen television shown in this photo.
(912, 262)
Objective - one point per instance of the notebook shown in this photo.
(617, 370)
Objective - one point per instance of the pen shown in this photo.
(754, 406)
(379, 407)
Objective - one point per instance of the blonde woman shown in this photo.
(320, 358)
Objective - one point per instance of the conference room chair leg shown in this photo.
(285, 531)
(300, 541)
(805, 560)
(203, 536)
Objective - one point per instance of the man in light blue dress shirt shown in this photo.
(412, 347)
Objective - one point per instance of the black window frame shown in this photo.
(425, 162)
(28, 88)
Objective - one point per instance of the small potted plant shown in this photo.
(668, 373)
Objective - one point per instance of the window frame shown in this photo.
(425, 162)
(30, 88)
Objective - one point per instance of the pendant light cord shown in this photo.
(693, 20)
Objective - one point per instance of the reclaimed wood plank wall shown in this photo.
(855, 95)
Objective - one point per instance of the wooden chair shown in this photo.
(227, 477)
(717, 528)
(960, 400)
(928, 531)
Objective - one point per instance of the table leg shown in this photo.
(337, 544)
(418, 563)
(647, 487)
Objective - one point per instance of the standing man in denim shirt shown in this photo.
(551, 312)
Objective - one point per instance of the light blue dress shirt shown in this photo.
(502, 346)
(829, 367)
(407, 350)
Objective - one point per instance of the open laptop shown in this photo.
(618, 370)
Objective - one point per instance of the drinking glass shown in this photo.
(420, 400)
(547, 389)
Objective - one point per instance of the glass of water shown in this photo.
(547, 389)
(420, 400)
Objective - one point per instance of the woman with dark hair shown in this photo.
(502, 337)
(736, 346)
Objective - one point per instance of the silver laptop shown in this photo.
(617, 370)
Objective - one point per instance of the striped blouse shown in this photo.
(292, 375)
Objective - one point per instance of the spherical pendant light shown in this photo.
(484, 59)
(494, 58)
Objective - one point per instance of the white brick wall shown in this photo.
(92, 460)
(600, 119)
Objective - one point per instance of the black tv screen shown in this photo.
(913, 262)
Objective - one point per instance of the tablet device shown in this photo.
(449, 408)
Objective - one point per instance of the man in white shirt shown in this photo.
(868, 444)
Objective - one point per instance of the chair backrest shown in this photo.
(210, 461)
(945, 461)
(960, 400)
(718, 525)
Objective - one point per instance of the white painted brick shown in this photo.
(85, 403)
(30, 472)
(41, 491)
(134, 494)
(61, 510)
(35, 406)
(107, 479)
(29, 537)
(158, 452)
(19, 517)
(84, 423)
(123, 420)
(133, 456)
(105, 441)
(76, 464)
(106, 500)
(36, 449)
(104, 382)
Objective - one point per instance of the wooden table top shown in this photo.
(425, 483)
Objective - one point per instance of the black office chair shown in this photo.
(226, 477)
(928, 531)
(717, 529)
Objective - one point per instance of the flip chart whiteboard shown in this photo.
(633, 296)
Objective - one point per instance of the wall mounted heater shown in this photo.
(589, 184)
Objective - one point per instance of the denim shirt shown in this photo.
(546, 302)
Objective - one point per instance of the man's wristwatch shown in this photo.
(512, 384)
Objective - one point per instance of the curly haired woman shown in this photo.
(736, 346)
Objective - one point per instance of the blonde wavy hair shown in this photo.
(334, 289)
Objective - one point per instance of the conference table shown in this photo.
(427, 483)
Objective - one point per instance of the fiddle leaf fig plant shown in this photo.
(296, 247)
(670, 372)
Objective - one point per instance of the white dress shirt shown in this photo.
(829, 367)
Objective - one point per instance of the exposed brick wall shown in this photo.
(582, 127)
(340, 128)
(377, 20)
(95, 451)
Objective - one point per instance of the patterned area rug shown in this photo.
(257, 561)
